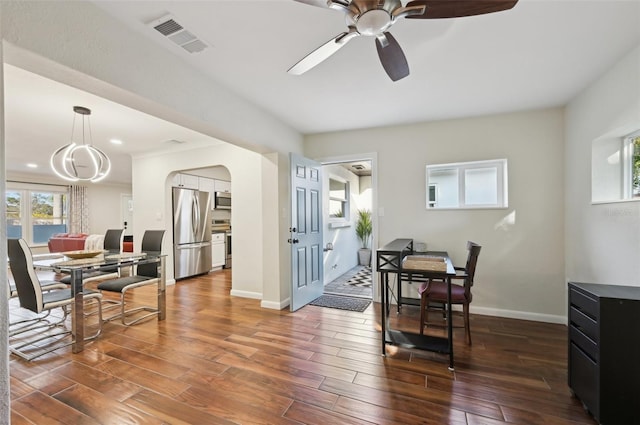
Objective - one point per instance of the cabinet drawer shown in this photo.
(217, 237)
(584, 342)
(587, 305)
(585, 323)
(584, 379)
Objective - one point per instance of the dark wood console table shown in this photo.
(389, 261)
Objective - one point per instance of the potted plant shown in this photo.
(364, 228)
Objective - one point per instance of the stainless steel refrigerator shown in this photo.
(191, 232)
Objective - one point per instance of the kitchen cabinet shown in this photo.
(604, 347)
(207, 185)
(218, 251)
(186, 181)
(223, 186)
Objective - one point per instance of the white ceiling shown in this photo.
(539, 54)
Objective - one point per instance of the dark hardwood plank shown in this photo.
(172, 411)
(312, 415)
(222, 360)
(138, 378)
(103, 409)
(44, 410)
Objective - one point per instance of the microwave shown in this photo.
(222, 201)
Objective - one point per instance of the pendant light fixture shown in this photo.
(80, 162)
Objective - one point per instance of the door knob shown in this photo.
(293, 241)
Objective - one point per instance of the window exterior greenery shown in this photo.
(35, 214)
(615, 168)
(13, 202)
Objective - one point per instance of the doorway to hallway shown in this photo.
(348, 190)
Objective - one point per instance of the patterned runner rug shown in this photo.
(361, 278)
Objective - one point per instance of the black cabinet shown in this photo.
(604, 350)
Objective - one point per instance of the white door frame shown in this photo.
(373, 157)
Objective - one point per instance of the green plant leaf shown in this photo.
(364, 227)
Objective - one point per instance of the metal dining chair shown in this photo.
(112, 245)
(32, 297)
(146, 274)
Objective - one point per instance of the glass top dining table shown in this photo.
(76, 267)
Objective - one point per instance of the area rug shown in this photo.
(361, 278)
(341, 303)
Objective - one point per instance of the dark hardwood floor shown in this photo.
(224, 360)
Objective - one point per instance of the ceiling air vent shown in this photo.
(168, 27)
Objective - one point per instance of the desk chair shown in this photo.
(32, 297)
(436, 290)
(146, 274)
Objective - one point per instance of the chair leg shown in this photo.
(46, 331)
(125, 313)
(467, 331)
(423, 313)
(99, 312)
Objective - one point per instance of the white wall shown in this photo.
(5, 406)
(344, 255)
(521, 267)
(603, 240)
(105, 207)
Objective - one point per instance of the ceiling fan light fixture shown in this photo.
(80, 162)
(374, 22)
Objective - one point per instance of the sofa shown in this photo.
(61, 242)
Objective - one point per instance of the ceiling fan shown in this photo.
(374, 17)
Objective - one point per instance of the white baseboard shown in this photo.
(513, 314)
(246, 294)
(171, 282)
(522, 315)
(273, 305)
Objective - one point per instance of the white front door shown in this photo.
(306, 231)
(126, 210)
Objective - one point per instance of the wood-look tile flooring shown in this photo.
(224, 360)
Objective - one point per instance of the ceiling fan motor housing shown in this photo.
(371, 18)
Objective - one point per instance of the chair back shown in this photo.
(472, 260)
(24, 275)
(113, 240)
(151, 244)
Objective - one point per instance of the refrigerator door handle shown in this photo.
(195, 213)
(198, 224)
(193, 245)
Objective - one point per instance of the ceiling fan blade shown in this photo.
(319, 3)
(392, 57)
(437, 9)
(322, 52)
(332, 4)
